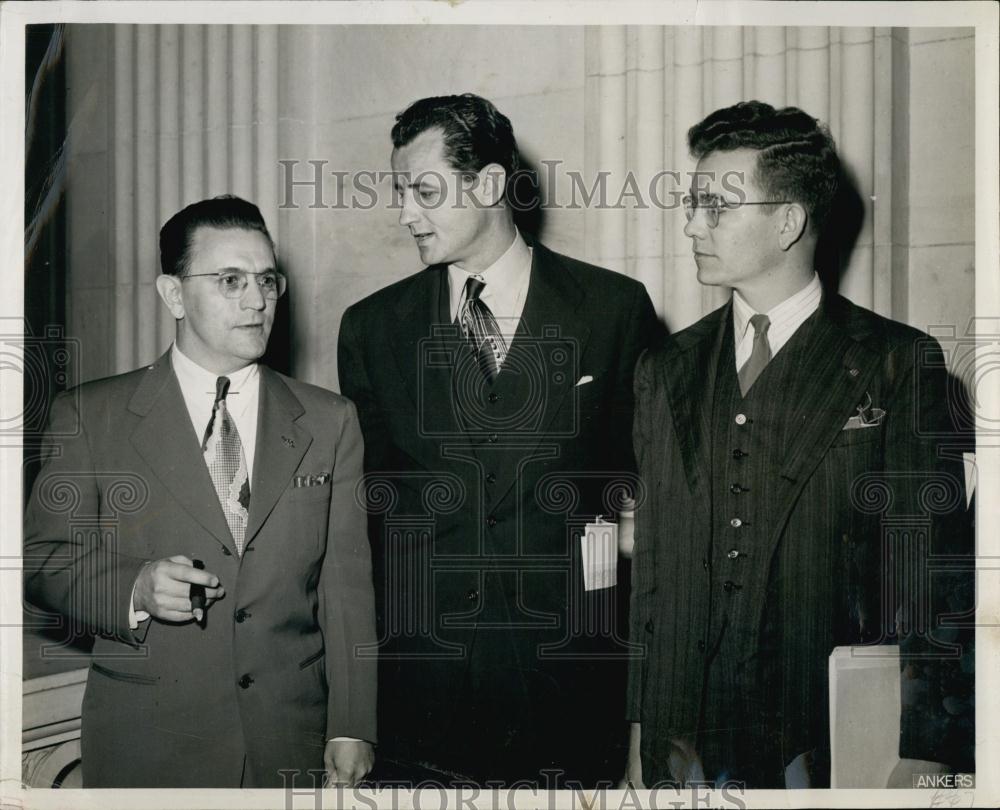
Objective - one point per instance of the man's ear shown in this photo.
(171, 291)
(493, 182)
(792, 225)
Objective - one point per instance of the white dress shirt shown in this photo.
(506, 287)
(785, 319)
(198, 390)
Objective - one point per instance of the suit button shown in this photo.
(649, 626)
(491, 521)
(472, 595)
(741, 419)
(735, 523)
(729, 586)
(736, 489)
(493, 397)
(704, 563)
(701, 646)
(491, 478)
(494, 438)
(227, 552)
(733, 553)
(242, 615)
(738, 454)
(245, 682)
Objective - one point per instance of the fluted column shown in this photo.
(195, 115)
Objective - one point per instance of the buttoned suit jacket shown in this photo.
(849, 508)
(279, 667)
(479, 494)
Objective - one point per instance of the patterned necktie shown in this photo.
(227, 465)
(482, 331)
(759, 357)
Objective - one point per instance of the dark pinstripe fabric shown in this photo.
(808, 575)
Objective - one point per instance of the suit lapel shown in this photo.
(553, 326)
(821, 403)
(281, 444)
(166, 440)
(423, 342)
(689, 376)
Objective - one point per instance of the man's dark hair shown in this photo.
(797, 159)
(225, 211)
(475, 132)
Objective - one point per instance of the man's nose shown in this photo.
(697, 227)
(407, 213)
(253, 295)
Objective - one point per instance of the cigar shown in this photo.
(198, 594)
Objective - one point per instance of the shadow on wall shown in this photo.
(840, 234)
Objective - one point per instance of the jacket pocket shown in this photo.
(125, 677)
(312, 659)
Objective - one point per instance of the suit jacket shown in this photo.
(478, 494)
(846, 509)
(279, 668)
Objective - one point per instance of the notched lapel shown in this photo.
(689, 377)
(281, 444)
(166, 440)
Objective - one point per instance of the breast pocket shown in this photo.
(855, 436)
(317, 493)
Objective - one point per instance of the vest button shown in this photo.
(735, 523)
(729, 586)
(738, 454)
(736, 489)
(649, 626)
(242, 615)
(741, 419)
(704, 563)
(491, 521)
(245, 682)
(472, 595)
(701, 646)
(493, 397)
(733, 553)
(494, 438)
(491, 478)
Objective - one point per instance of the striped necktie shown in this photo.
(759, 356)
(481, 330)
(227, 465)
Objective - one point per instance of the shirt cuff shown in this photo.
(135, 617)
(344, 739)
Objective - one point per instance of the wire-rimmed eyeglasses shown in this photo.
(233, 283)
(713, 205)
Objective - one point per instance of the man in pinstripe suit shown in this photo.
(764, 433)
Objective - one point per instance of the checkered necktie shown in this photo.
(227, 465)
(482, 331)
(759, 356)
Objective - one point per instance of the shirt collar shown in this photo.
(786, 310)
(193, 378)
(505, 274)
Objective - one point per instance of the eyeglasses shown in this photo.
(713, 205)
(233, 283)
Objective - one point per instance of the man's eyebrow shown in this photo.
(250, 272)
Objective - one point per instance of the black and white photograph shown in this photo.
(499, 404)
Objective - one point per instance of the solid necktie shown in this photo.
(481, 330)
(759, 356)
(227, 465)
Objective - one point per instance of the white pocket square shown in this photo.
(584, 380)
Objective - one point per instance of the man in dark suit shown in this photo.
(794, 448)
(494, 390)
(148, 473)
